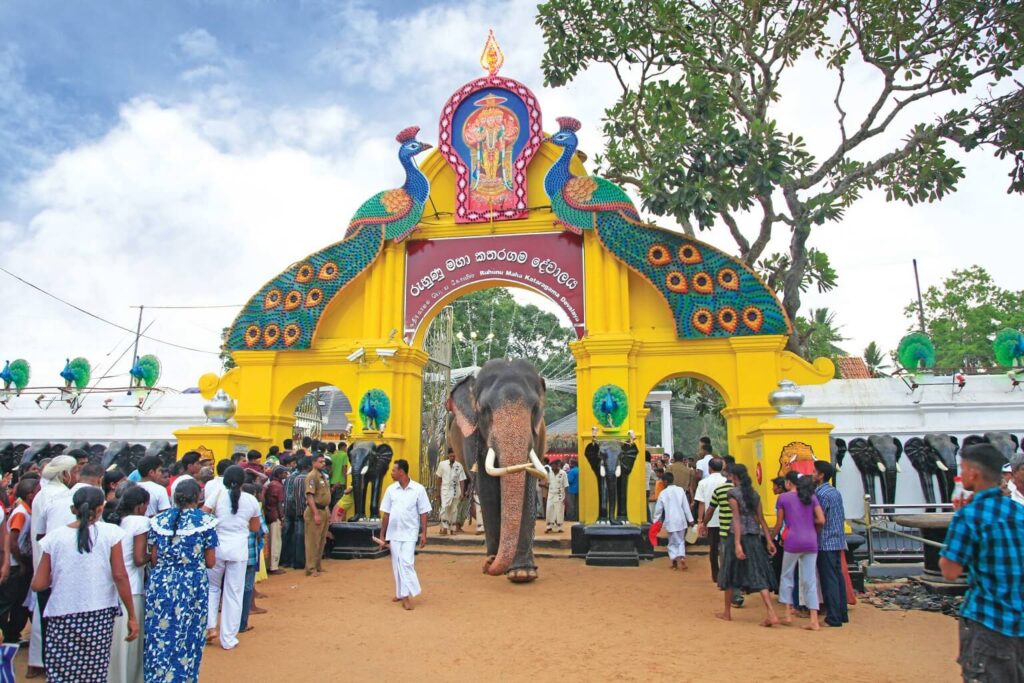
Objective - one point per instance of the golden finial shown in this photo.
(492, 57)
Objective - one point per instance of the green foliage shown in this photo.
(916, 351)
(696, 411)
(227, 361)
(1008, 347)
(520, 331)
(695, 131)
(875, 360)
(818, 336)
(963, 315)
(610, 405)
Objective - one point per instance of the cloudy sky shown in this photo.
(179, 153)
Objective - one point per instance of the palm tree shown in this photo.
(818, 334)
(875, 360)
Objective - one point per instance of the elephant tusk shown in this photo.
(881, 467)
(362, 472)
(489, 465)
(534, 472)
(538, 465)
(898, 468)
(942, 466)
(618, 471)
(603, 473)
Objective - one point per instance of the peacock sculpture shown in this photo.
(76, 372)
(145, 371)
(16, 374)
(1008, 347)
(374, 409)
(285, 312)
(610, 405)
(710, 293)
(916, 351)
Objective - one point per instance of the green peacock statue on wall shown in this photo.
(710, 293)
(916, 352)
(15, 374)
(1008, 347)
(285, 312)
(374, 409)
(610, 405)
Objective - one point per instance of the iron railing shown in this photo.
(887, 541)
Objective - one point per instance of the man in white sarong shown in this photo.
(675, 507)
(451, 478)
(404, 521)
(558, 482)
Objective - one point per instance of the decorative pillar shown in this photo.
(663, 399)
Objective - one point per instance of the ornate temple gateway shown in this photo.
(498, 203)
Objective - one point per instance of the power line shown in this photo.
(169, 308)
(101, 319)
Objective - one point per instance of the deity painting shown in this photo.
(796, 457)
(488, 135)
(490, 132)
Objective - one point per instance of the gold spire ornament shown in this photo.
(492, 57)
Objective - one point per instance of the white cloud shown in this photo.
(198, 44)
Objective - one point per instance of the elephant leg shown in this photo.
(357, 500)
(375, 498)
(602, 501)
(622, 512)
(523, 567)
(489, 490)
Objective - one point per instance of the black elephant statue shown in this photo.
(370, 462)
(1004, 441)
(499, 416)
(8, 457)
(165, 450)
(612, 461)
(118, 454)
(34, 453)
(837, 449)
(933, 456)
(877, 458)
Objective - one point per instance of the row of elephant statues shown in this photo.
(933, 457)
(121, 454)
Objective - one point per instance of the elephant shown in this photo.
(8, 457)
(166, 451)
(369, 463)
(878, 457)
(499, 414)
(118, 455)
(837, 449)
(34, 453)
(933, 456)
(1005, 442)
(612, 461)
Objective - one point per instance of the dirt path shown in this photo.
(575, 623)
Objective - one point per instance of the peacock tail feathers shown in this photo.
(81, 371)
(147, 370)
(710, 293)
(284, 313)
(610, 405)
(374, 408)
(394, 209)
(916, 351)
(1008, 347)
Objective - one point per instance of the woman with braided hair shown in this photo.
(183, 539)
(84, 564)
(129, 513)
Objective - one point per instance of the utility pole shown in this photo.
(135, 351)
(920, 302)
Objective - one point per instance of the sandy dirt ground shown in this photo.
(575, 623)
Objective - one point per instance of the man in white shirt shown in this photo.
(153, 481)
(404, 509)
(675, 506)
(705, 492)
(1016, 483)
(557, 483)
(190, 465)
(705, 457)
(450, 478)
(215, 485)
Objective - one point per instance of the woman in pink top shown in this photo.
(800, 511)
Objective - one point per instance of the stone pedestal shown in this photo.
(608, 545)
(221, 439)
(354, 541)
(933, 528)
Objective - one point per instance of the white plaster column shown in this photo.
(663, 399)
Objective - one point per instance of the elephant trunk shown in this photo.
(512, 436)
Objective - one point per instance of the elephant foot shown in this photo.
(522, 575)
(487, 563)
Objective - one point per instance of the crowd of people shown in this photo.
(126, 576)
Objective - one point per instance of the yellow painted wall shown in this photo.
(630, 341)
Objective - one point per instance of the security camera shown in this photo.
(386, 353)
(357, 355)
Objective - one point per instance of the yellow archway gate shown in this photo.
(476, 213)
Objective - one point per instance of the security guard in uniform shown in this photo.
(317, 515)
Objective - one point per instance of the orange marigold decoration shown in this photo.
(271, 334)
(292, 300)
(728, 279)
(728, 319)
(328, 271)
(703, 321)
(292, 333)
(689, 254)
(703, 283)
(753, 318)
(304, 274)
(658, 255)
(314, 297)
(252, 335)
(272, 299)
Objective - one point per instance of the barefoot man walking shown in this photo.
(405, 507)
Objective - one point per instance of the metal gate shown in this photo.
(437, 376)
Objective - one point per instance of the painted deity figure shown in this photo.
(490, 133)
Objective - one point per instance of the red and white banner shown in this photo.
(549, 263)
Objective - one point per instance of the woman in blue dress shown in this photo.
(183, 540)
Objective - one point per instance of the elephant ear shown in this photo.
(592, 452)
(629, 453)
(383, 450)
(460, 403)
(899, 448)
